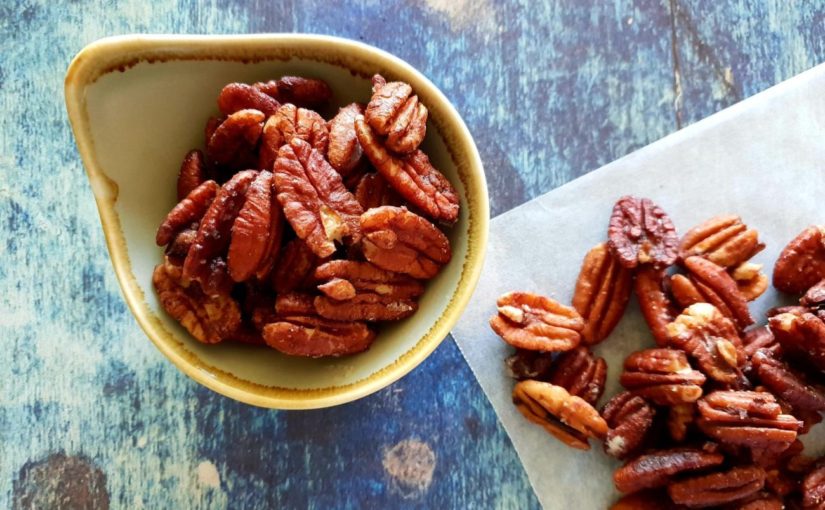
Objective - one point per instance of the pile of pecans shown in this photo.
(711, 417)
(300, 233)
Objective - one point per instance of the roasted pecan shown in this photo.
(654, 304)
(794, 309)
(815, 296)
(802, 263)
(188, 211)
(276, 234)
(724, 240)
(344, 152)
(295, 267)
(629, 418)
(813, 489)
(412, 176)
(802, 335)
(580, 374)
(568, 418)
(790, 386)
(304, 92)
(403, 242)
(717, 287)
(192, 173)
(646, 500)
(395, 112)
(717, 488)
(758, 338)
(251, 229)
(679, 418)
(640, 232)
(294, 303)
(240, 96)
(178, 248)
(526, 364)
(315, 201)
(658, 468)
(662, 375)
(209, 319)
(287, 123)
(316, 337)
(750, 280)
(373, 191)
(536, 323)
(711, 339)
(241, 130)
(602, 292)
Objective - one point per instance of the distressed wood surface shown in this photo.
(92, 416)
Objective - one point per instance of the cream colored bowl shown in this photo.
(137, 104)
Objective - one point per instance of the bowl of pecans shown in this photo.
(296, 221)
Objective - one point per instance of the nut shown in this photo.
(344, 152)
(723, 240)
(251, 229)
(640, 232)
(395, 112)
(802, 262)
(750, 280)
(300, 91)
(295, 267)
(760, 501)
(580, 374)
(536, 323)
(403, 242)
(188, 211)
(239, 131)
(679, 418)
(629, 418)
(654, 304)
(717, 488)
(412, 176)
(526, 364)
(718, 288)
(287, 123)
(316, 204)
(813, 489)
(316, 337)
(192, 173)
(815, 296)
(294, 303)
(658, 468)
(240, 96)
(568, 418)
(758, 338)
(602, 292)
(663, 376)
(786, 384)
(177, 250)
(274, 239)
(802, 335)
(373, 191)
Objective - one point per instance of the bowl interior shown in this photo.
(143, 115)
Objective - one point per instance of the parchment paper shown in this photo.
(763, 159)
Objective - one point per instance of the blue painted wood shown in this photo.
(92, 416)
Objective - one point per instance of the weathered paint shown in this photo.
(92, 416)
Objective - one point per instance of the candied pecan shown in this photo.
(654, 304)
(717, 488)
(373, 191)
(536, 323)
(602, 292)
(251, 229)
(656, 469)
(315, 201)
(276, 234)
(398, 240)
(395, 112)
(526, 364)
(711, 339)
(189, 210)
(802, 335)
(724, 240)
(315, 337)
(679, 418)
(412, 176)
(192, 173)
(295, 267)
(640, 232)
(240, 130)
(662, 375)
(209, 319)
(629, 418)
(815, 296)
(294, 303)
(344, 152)
(646, 500)
(567, 417)
(787, 385)
(719, 289)
(178, 248)
(304, 92)
(338, 289)
(813, 489)
(287, 123)
(580, 374)
(240, 96)
(802, 262)
(750, 280)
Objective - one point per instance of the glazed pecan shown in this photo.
(654, 304)
(658, 468)
(241, 130)
(403, 242)
(287, 123)
(802, 262)
(663, 376)
(815, 296)
(209, 319)
(790, 386)
(395, 112)
(640, 232)
(712, 284)
(192, 173)
(646, 500)
(373, 191)
(295, 268)
(412, 176)
(568, 418)
(724, 240)
(536, 323)
(526, 364)
(750, 280)
(679, 418)
(315, 337)
(580, 374)
(813, 489)
(629, 418)
(315, 201)
(344, 152)
(304, 92)
(801, 334)
(240, 96)
(717, 488)
(188, 211)
(251, 229)
(602, 292)
(746, 418)
(711, 339)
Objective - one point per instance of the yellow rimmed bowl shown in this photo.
(137, 104)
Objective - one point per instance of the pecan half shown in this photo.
(802, 262)
(629, 418)
(717, 287)
(724, 240)
(241, 130)
(536, 323)
(395, 112)
(314, 199)
(240, 96)
(654, 304)
(373, 191)
(344, 152)
(188, 211)
(750, 280)
(192, 173)
(177, 249)
(662, 375)
(801, 334)
(640, 232)
(300, 91)
(287, 123)
(813, 489)
(403, 242)
(679, 418)
(580, 374)
(526, 364)
(658, 468)
(412, 176)
(711, 339)
(717, 488)
(295, 267)
(276, 235)
(568, 418)
(251, 229)
(758, 338)
(316, 337)
(294, 303)
(815, 296)
(786, 384)
(602, 292)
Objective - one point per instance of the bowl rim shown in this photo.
(106, 55)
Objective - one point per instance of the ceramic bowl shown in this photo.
(137, 104)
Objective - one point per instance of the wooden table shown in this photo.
(92, 416)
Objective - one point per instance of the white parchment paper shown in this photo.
(763, 159)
